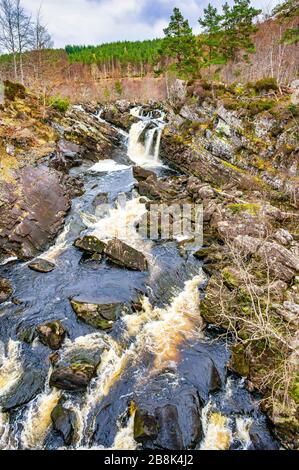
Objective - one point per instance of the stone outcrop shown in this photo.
(99, 315)
(33, 210)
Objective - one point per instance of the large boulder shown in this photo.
(90, 244)
(30, 384)
(52, 334)
(282, 263)
(33, 206)
(99, 315)
(125, 255)
(95, 137)
(5, 290)
(73, 378)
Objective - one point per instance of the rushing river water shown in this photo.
(159, 356)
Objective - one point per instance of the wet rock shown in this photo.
(100, 199)
(261, 438)
(42, 266)
(90, 244)
(73, 378)
(170, 434)
(52, 334)
(68, 155)
(145, 426)
(64, 422)
(141, 174)
(119, 117)
(29, 386)
(6, 290)
(124, 255)
(96, 138)
(32, 211)
(101, 316)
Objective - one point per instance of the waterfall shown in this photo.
(145, 137)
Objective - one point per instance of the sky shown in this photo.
(100, 21)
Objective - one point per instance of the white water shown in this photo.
(105, 166)
(145, 139)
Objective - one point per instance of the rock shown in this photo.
(100, 199)
(42, 266)
(239, 362)
(95, 137)
(73, 378)
(124, 255)
(283, 236)
(52, 334)
(282, 263)
(31, 383)
(170, 434)
(33, 210)
(145, 426)
(101, 316)
(289, 311)
(141, 174)
(261, 439)
(6, 290)
(64, 422)
(90, 244)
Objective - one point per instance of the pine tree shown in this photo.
(238, 25)
(286, 11)
(180, 44)
(212, 37)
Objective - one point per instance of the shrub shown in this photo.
(13, 91)
(118, 87)
(266, 84)
(256, 107)
(59, 103)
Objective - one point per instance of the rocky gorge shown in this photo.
(150, 344)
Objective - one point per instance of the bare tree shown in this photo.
(8, 39)
(23, 33)
(40, 37)
(15, 30)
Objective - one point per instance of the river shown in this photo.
(158, 358)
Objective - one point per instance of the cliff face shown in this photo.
(240, 144)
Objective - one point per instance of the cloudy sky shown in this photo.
(98, 21)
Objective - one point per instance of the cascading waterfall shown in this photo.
(145, 138)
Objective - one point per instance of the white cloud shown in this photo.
(98, 21)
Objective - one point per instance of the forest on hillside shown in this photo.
(236, 43)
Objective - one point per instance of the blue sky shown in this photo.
(98, 21)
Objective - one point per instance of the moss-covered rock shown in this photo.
(100, 315)
(239, 362)
(52, 334)
(6, 290)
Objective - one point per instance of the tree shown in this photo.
(15, 30)
(40, 37)
(286, 11)
(238, 25)
(211, 23)
(8, 40)
(23, 33)
(180, 44)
